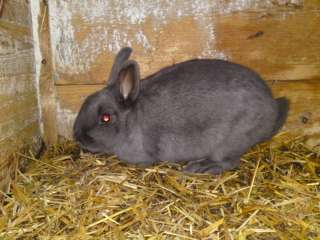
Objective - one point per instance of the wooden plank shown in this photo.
(14, 88)
(23, 140)
(15, 30)
(280, 45)
(18, 98)
(279, 39)
(14, 63)
(304, 96)
(16, 12)
(46, 82)
(19, 109)
(304, 114)
(12, 128)
(71, 96)
(19, 116)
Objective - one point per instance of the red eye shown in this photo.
(105, 117)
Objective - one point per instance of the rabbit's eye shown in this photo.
(105, 118)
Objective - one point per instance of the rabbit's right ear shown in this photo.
(122, 56)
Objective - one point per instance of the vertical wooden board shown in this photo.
(17, 112)
(19, 117)
(17, 12)
(23, 140)
(43, 65)
(18, 106)
(15, 63)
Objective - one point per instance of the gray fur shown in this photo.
(204, 112)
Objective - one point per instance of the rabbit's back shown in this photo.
(203, 73)
(203, 90)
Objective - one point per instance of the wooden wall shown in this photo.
(280, 39)
(19, 125)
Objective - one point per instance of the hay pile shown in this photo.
(274, 195)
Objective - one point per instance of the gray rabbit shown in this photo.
(204, 112)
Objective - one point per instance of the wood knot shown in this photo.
(255, 35)
(305, 117)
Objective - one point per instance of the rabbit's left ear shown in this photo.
(129, 80)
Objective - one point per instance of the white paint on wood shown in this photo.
(16, 62)
(65, 118)
(124, 16)
(7, 44)
(142, 40)
(16, 86)
(35, 13)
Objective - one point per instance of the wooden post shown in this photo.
(47, 95)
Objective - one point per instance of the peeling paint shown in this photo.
(67, 117)
(9, 66)
(68, 53)
(19, 126)
(15, 87)
(142, 39)
(84, 31)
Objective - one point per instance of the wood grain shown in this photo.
(279, 44)
(304, 114)
(19, 119)
(46, 87)
(17, 12)
(279, 39)
(15, 30)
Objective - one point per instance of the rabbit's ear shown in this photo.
(129, 80)
(122, 56)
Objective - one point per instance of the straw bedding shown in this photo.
(275, 194)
